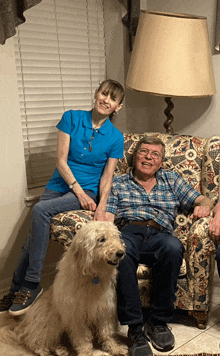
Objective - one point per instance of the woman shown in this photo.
(88, 150)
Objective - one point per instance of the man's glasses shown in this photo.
(154, 154)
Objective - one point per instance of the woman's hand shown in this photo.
(86, 202)
(100, 215)
(202, 207)
(214, 228)
(200, 212)
(104, 188)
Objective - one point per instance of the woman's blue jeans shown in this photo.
(34, 250)
(163, 253)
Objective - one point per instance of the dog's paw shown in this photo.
(58, 351)
(43, 352)
(61, 351)
(118, 349)
(100, 353)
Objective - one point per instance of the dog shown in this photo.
(82, 300)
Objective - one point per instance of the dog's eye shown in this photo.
(101, 240)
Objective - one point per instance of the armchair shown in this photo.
(197, 161)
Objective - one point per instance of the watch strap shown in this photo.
(72, 184)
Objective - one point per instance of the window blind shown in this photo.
(60, 61)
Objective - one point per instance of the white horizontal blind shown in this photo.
(60, 60)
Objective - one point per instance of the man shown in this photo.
(147, 201)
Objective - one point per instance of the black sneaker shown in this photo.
(160, 336)
(6, 302)
(138, 344)
(24, 299)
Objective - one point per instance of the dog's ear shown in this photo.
(82, 247)
(78, 238)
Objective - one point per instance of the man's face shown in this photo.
(148, 159)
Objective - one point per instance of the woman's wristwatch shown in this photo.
(72, 184)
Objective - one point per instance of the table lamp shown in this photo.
(171, 57)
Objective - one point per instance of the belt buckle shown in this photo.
(123, 223)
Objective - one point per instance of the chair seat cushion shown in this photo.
(65, 225)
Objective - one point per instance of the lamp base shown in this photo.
(169, 120)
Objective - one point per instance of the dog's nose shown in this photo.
(120, 253)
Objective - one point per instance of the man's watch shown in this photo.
(72, 184)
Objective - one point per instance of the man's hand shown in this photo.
(110, 217)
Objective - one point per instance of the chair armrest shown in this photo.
(199, 244)
(200, 262)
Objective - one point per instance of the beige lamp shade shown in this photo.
(171, 56)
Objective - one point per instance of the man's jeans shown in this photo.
(35, 246)
(159, 250)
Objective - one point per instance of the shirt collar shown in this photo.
(87, 122)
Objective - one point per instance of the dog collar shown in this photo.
(95, 280)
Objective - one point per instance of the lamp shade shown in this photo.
(171, 56)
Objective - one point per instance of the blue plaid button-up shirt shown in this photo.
(129, 200)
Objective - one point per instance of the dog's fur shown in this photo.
(74, 304)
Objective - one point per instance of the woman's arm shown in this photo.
(63, 144)
(104, 188)
(205, 205)
(202, 207)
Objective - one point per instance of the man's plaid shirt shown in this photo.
(129, 200)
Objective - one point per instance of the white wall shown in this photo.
(114, 38)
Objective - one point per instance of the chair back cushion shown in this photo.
(210, 169)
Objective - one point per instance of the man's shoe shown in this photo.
(138, 344)
(6, 302)
(24, 299)
(160, 336)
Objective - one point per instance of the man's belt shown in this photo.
(120, 222)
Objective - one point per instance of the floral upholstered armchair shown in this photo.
(197, 161)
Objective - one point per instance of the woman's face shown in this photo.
(106, 103)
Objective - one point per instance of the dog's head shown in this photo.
(97, 243)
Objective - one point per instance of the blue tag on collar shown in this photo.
(95, 280)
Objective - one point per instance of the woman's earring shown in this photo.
(115, 113)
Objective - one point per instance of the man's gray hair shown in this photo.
(150, 140)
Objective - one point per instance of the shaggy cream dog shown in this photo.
(82, 300)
